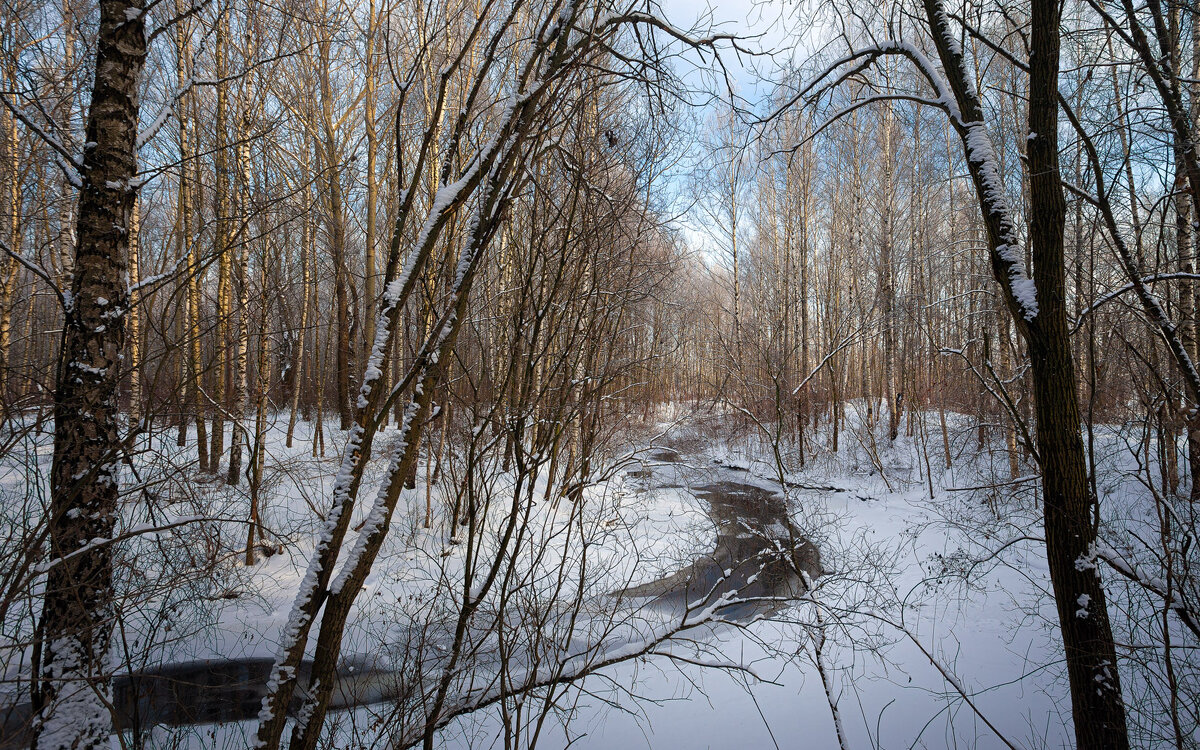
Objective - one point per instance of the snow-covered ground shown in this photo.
(895, 594)
(933, 618)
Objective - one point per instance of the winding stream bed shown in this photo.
(759, 558)
(759, 561)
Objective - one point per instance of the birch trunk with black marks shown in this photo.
(240, 398)
(186, 247)
(9, 267)
(887, 271)
(135, 323)
(77, 613)
(369, 96)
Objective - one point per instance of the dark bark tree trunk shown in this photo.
(77, 614)
(1069, 506)
(1097, 704)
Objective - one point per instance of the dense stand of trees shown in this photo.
(443, 222)
(450, 204)
(988, 210)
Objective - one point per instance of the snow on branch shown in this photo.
(133, 531)
(1109, 297)
(952, 96)
(70, 164)
(1156, 586)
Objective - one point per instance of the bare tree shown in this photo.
(76, 622)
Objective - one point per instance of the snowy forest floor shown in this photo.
(931, 588)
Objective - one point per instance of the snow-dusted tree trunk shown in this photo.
(77, 614)
(485, 181)
(401, 276)
(1038, 307)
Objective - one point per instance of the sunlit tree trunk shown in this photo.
(262, 390)
(221, 252)
(135, 324)
(186, 245)
(74, 694)
(240, 397)
(9, 267)
(369, 95)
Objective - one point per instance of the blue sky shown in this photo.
(765, 25)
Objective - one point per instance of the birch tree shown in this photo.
(74, 691)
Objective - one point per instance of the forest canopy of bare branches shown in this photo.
(480, 373)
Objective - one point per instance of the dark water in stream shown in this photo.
(759, 556)
(755, 564)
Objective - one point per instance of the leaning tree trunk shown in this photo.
(77, 613)
(1039, 310)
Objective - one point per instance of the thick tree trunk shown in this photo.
(1069, 507)
(1097, 704)
(77, 614)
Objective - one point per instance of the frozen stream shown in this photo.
(758, 551)
(753, 566)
